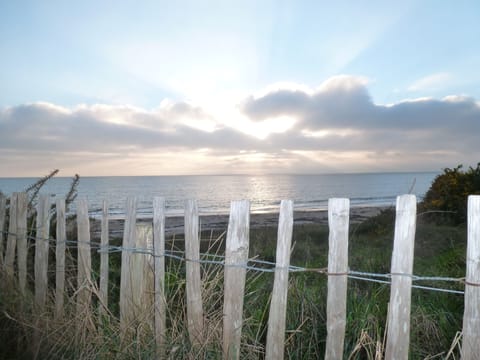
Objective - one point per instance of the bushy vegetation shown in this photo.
(446, 200)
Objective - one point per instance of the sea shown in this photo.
(215, 192)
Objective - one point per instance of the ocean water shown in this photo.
(215, 192)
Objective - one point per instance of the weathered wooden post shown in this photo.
(60, 258)
(3, 208)
(141, 272)
(129, 237)
(236, 256)
(22, 204)
(12, 236)
(159, 282)
(42, 238)
(193, 278)
(41, 250)
(338, 221)
(278, 307)
(84, 263)
(471, 317)
(103, 289)
(136, 283)
(401, 270)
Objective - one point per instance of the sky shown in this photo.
(238, 87)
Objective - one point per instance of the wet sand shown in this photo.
(174, 224)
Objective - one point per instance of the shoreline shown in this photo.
(175, 224)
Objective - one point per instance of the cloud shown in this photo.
(345, 103)
(341, 116)
(340, 99)
(335, 127)
(431, 82)
(104, 128)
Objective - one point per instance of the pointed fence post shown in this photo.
(278, 307)
(338, 221)
(84, 263)
(22, 204)
(12, 236)
(141, 273)
(41, 250)
(103, 290)
(236, 256)
(129, 236)
(3, 208)
(60, 258)
(398, 333)
(471, 317)
(193, 278)
(42, 239)
(159, 283)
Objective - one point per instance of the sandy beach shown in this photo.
(174, 224)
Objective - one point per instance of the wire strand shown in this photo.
(259, 265)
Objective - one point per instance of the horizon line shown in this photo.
(240, 174)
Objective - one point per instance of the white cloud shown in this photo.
(433, 82)
(343, 83)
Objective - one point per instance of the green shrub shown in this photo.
(446, 200)
(378, 225)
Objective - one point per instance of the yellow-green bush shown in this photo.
(447, 197)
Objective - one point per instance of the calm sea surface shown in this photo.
(214, 193)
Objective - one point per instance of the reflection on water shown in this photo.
(214, 193)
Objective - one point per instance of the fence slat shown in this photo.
(12, 236)
(60, 258)
(22, 204)
(471, 317)
(129, 235)
(159, 283)
(338, 221)
(141, 272)
(278, 306)
(41, 250)
(84, 260)
(236, 253)
(193, 279)
(3, 209)
(398, 333)
(103, 290)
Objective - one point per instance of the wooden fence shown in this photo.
(138, 281)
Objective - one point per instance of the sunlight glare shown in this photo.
(330, 132)
(262, 129)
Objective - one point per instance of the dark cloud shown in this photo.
(339, 102)
(183, 108)
(344, 103)
(278, 102)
